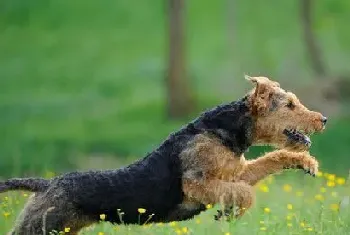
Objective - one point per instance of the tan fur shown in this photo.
(276, 161)
(216, 175)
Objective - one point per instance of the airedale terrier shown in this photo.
(202, 163)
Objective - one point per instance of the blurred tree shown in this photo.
(333, 87)
(180, 101)
(314, 51)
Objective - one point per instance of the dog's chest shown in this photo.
(207, 158)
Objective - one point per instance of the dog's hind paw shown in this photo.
(228, 214)
(225, 215)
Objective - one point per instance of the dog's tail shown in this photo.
(26, 184)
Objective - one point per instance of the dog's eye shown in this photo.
(290, 105)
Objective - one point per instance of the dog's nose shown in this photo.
(324, 120)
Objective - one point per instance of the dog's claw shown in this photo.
(218, 215)
(310, 166)
(308, 171)
(226, 214)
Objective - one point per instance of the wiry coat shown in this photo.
(153, 183)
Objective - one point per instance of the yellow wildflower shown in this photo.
(287, 188)
(340, 181)
(227, 233)
(172, 224)
(319, 197)
(302, 224)
(334, 207)
(289, 217)
(299, 193)
(267, 210)
(6, 214)
(264, 188)
(310, 229)
(101, 233)
(330, 183)
(160, 224)
(141, 210)
(66, 230)
(289, 206)
(319, 174)
(331, 177)
(323, 190)
(102, 217)
(178, 231)
(263, 228)
(25, 194)
(289, 224)
(185, 230)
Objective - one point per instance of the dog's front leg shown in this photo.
(229, 194)
(275, 162)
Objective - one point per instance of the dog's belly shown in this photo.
(186, 210)
(119, 196)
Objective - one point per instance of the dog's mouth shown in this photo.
(298, 136)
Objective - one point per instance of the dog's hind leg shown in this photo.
(44, 215)
(275, 162)
(65, 218)
(29, 220)
(228, 194)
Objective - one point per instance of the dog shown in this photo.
(202, 163)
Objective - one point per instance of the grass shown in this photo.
(286, 204)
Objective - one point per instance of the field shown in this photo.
(306, 206)
(82, 87)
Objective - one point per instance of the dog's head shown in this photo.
(281, 120)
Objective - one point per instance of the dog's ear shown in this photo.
(262, 80)
(262, 93)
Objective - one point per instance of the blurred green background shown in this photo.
(82, 83)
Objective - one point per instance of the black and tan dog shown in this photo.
(201, 163)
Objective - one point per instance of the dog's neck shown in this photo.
(231, 123)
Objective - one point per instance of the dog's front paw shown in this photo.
(309, 164)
